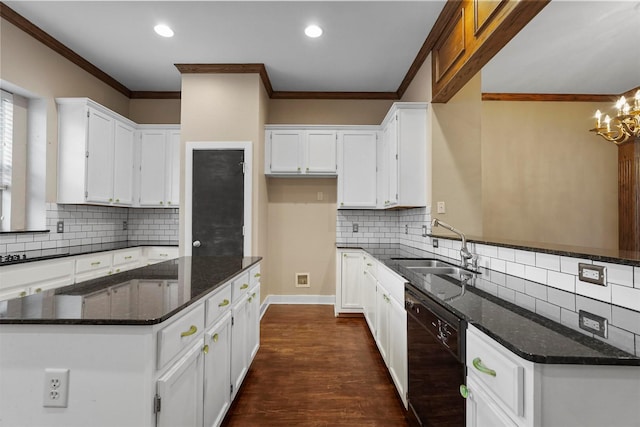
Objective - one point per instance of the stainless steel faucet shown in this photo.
(465, 255)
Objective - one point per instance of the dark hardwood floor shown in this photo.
(314, 369)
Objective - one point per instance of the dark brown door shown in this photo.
(218, 203)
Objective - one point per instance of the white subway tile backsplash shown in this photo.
(562, 299)
(535, 274)
(618, 274)
(515, 269)
(625, 297)
(550, 311)
(498, 265)
(536, 290)
(525, 257)
(636, 277)
(620, 338)
(624, 316)
(570, 319)
(566, 282)
(506, 254)
(548, 261)
(601, 293)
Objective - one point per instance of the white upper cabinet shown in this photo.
(159, 166)
(357, 169)
(95, 154)
(405, 151)
(301, 151)
(123, 164)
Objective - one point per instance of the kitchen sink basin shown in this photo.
(430, 266)
(439, 270)
(422, 263)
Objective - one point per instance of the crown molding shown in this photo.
(155, 95)
(37, 33)
(229, 69)
(334, 95)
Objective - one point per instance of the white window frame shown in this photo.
(6, 149)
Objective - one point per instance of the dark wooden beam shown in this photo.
(558, 97)
(155, 95)
(481, 40)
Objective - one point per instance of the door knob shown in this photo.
(196, 243)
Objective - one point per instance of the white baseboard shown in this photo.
(296, 299)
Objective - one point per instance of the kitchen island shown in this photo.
(144, 347)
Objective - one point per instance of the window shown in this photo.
(6, 149)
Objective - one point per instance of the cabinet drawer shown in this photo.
(126, 259)
(500, 374)
(393, 283)
(161, 253)
(218, 304)
(254, 275)
(91, 266)
(38, 274)
(239, 286)
(179, 335)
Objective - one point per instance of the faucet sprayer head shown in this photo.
(434, 222)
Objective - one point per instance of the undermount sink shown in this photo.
(430, 266)
(422, 262)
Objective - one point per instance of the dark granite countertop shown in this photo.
(615, 256)
(42, 254)
(142, 296)
(529, 335)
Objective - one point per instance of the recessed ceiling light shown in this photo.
(313, 31)
(163, 30)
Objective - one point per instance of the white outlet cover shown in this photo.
(441, 207)
(56, 388)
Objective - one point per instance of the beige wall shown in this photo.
(154, 111)
(327, 111)
(456, 168)
(302, 235)
(420, 88)
(302, 230)
(19, 161)
(34, 67)
(229, 107)
(545, 177)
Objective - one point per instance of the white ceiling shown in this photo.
(570, 47)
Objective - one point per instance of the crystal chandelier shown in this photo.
(623, 126)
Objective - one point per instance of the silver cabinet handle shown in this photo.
(196, 243)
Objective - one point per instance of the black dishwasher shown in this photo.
(436, 354)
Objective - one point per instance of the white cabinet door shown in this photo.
(390, 163)
(150, 301)
(99, 170)
(286, 151)
(239, 343)
(351, 282)
(398, 348)
(357, 170)
(482, 411)
(173, 169)
(370, 286)
(320, 152)
(97, 306)
(120, 301)
(383, 307)
(217, 372)
(153, 158)
(253, 323)
(123, 164)
(180, 390)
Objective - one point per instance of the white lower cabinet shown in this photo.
(349, 283)
(217, 371)
(506, 390)
(364, 285)
(179, 391)
(482, 411)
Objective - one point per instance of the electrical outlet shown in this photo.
(591, 273)
(592, 323)
(424, 230)
(56, 388)
(441, 207)
(60, 226)
(434, 242)
(355, 228)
